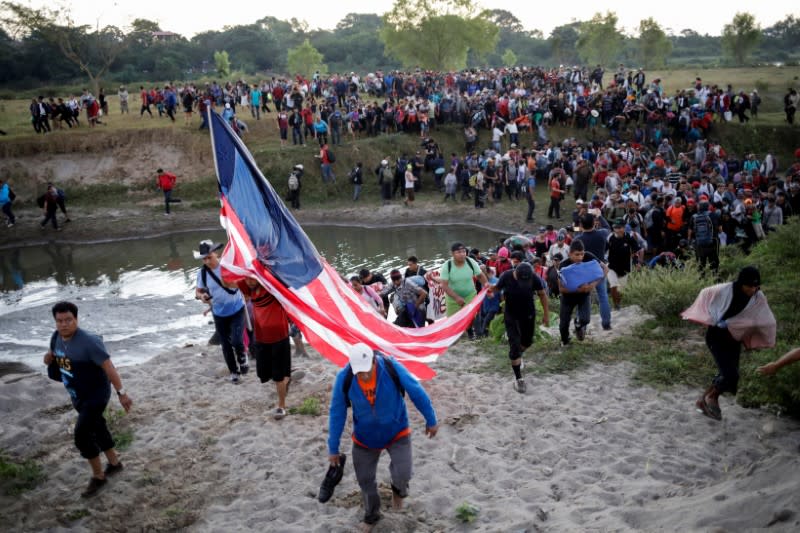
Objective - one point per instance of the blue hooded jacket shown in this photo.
(376, 426)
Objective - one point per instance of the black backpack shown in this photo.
(703, 229)
(348, 379)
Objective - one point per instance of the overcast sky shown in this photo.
(189, 18)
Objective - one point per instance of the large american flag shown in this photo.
(267, 243)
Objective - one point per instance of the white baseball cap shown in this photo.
(360, 356)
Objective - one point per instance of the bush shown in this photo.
(467, 512)
(309, 407)
(665, 292)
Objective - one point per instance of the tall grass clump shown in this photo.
(19, 476)
(665, 292)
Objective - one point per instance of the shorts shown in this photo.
(615, 280)
(410, 193)
(273, 360)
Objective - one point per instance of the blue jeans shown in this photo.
(484, 319)
(602, 299)
(297, 135)
(7, 212)
(356, 192)
(327, 173)
(231, 331)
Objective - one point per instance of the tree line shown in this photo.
(45, 47)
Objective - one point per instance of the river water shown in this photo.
(139, 294)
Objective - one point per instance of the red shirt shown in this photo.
(555, 188)
(308, 116)
(502, 265)
(270, 323)
(166, 181)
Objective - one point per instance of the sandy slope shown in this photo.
(581, 452)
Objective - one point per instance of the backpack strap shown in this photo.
(348, 379)
(210, 272)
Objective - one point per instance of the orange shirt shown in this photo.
(368, 387)
(675, 217)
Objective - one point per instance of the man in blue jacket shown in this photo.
(375, 391)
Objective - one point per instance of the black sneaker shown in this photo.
(94, 486)
(372, 519)
(332, 478)
(113, 469)
(607, 328)
(580, 332)
(244, 369)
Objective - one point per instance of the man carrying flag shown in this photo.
(266, 242)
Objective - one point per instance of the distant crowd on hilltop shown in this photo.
(520, 98)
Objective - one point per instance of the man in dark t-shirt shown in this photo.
(518, 287)
(580, 297)
(621, 249)
(79, 360)
(595, 242)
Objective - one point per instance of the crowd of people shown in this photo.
(638, 204)
(516, 99)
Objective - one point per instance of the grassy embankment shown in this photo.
(668, 351)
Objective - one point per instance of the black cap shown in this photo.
(524, 273)
(749, 276)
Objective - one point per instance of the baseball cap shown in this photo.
(618, 223)
(579, 202)
(524, 273)
(360, 356)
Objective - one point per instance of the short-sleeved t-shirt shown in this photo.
(223, 303)
(460, 280)
(80, 361)
(519, 298)
(270, 323)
